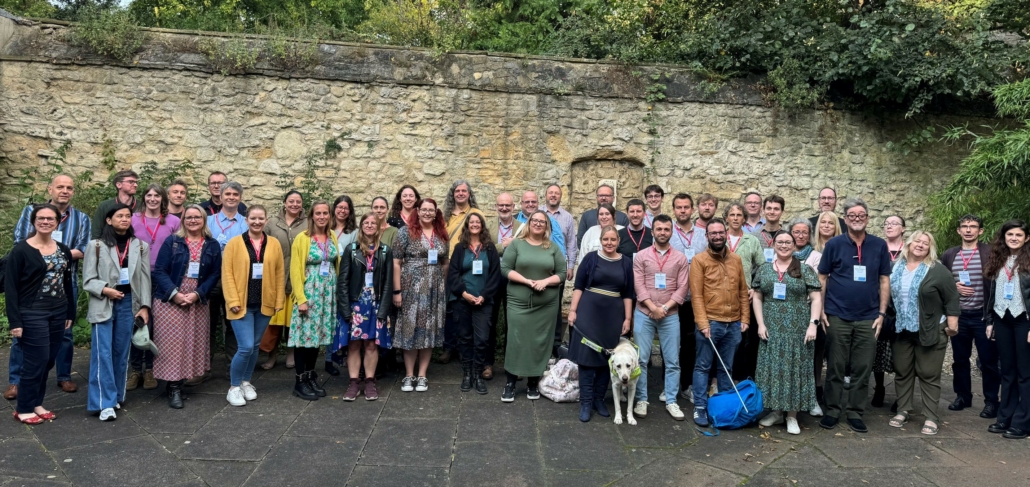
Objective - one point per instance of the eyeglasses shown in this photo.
(131, 182)
(969, 227)
(530, 202)
(538, 222)
(427, 211)
(215, 183)
(799, 233)
(891, 224)
(193, 218)
(753, 203)
(654, 196)
(46, 219)
(827, 198)
(785, 243)
(716, 233)
(856, 218)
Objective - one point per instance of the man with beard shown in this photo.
(605, 195)
(637, 235)
(690, 240)
(706, 207)
(720, 300)
(126, 182)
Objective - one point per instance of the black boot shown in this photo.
(175, 394)
(586, 396)
(331, 368)
(478, 381)
(878, 393)
(466, 379)
(600, 389)
(302, 389)
(313, 383)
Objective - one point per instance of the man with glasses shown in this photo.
(126, 182)
(505, 233)
(214, 187)
(827, 202)
(966, 263)
(855, 275)
(567, 225)
(754, 222)
(654, 195)
(73, 230)
(605, 195)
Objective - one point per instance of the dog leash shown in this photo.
(594, 345)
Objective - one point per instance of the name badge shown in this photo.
(257, 270)
(368, 279)
(779, 290)
(340, 246)
(222, 239)
(963, 277)
(323, 269)
(690, 255)
(769, 255)
(477, 267)
(659, 280)
(433, 254)
(123, 276)
(1010, 290)
(193, 270)
(860, 273)
(57, 235)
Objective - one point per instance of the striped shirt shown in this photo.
(568, 230)
(971, 264)
(75, 228)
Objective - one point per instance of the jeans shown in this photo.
(248, 331)
(63, 357)
(473, 332)
(1011, 335)
(726, 336)
(42, 332)
(850, 343)
(972, 329)
(109, 357)
(668, 330)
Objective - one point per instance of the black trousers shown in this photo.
(500, 302)
(973, 330)
(559, 323)
(1010, 335)
(688, 344)
(473, 332)
(41, 335)
(219, 325)
(745, 363)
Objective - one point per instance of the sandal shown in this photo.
(31, 420)
(899, 420)
(48, 416)
(929, 428)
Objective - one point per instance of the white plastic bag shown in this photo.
(561, 382)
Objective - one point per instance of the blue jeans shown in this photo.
(972, 329)
(726, 336)
(109, 357)
(668, 331)
(249, 331)
(63, 358)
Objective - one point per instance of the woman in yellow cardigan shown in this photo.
(254, 285)
(314, 264)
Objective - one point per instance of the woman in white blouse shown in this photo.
(592, 238)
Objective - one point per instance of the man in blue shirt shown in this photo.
(73, 230)
(530, 202)
(855, 275)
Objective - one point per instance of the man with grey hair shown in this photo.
(459, 204)
(855, 274)
(605, 195)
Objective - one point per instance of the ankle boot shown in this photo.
(586, 396)
(175, 394)
(478, 381)
(600, 389)
(878, 393)
(313, 383)
(302, 389)
(466, 379)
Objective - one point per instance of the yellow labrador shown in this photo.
(625, 370)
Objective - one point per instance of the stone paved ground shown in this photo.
(444, 437)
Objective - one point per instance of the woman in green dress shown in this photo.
(314, 262)
(534, 269)
(787, 303)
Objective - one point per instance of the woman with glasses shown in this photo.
(534, 268)
(894, 231)
(787, 304)
(801, 230)
(345, 231)
(419, 282)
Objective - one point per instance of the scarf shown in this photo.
(803, 254)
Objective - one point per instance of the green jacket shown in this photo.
(938, 297)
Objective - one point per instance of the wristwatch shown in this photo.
(665, 308)
(882, 314)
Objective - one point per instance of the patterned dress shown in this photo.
(316, 328)
(784, 360)
(421, 317)
(181, 334)
(884, 361)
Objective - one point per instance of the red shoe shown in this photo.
(31, 420)
(48, 416)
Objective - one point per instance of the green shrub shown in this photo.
(111, 33)
(229, 56)
(288, 54)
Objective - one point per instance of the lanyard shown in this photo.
(778, 273)
(683, 235)
(121, 258)
(153, 235)
(257, 248)
(194, 248)
(476, 251)
(650, 219)
(631, 239)
(432, 243)
(503, 233)
(768, 240)
(894, 255)
(661, 264)
(733, 248)
(1009, 272)
(859, 247)
(218, 222)
(323, 246)
(965, 261)
(370, 258)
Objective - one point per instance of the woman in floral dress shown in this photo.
(314, 262)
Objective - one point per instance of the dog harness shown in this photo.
(636, 370)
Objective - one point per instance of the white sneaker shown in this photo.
(235, 397)
(792, 426)
(661, 397)
(422, 384)
(674, 411)
(688, 394)
(107, 414)
(249, 392)
(640, 409)
(816, 412)
(775, 417)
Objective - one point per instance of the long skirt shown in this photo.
(181, 335)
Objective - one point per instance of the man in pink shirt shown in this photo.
(660, 277)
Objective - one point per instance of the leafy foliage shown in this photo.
(994, 181)
(234, 55)
(315, 169)
(111, 32)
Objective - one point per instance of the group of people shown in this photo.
(731, 297)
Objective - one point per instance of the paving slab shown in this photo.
(679, 472)
(568, 478)
(493, 463)
(495, 421)
(307, 461)
(883, 452)
(231, 436)
(997, 475)
(658, 429)
(410, 443)
(437, 402)
(802, 457)
(743, 452)
(19, 482)
(171, 442)
(220, 472)
(375, 476)
(21, 457)
(838, 477)
(156, 417)
(582, 446)
(333, 417)
(75, 427)
(999, 452)
(109, 463)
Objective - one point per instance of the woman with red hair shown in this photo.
(420, 274)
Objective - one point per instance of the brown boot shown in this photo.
(149, 382)
(11, 393)
(132, 381)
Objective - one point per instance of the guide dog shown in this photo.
(624, 366)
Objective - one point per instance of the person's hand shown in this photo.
(763, 332)
(539, 285)
(877, 323)
(964, 290)
(479, 300)
(16, 332)
(707, 332)
(572, 317)
(743, 327)
(625, 327)
(750, 295)
(397, 300)
(67, 324)
(179, 299)
(144, 313)
(191, 298)
(951, 331)
(112, 293)
(236, 309)
(506, 241)
(825, 322)
(1028, 337)
(990, 332)
(303, 308)
(570, 273)
(657, 313)
(469, 298)
(810, 334)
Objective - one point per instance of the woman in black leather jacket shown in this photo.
(364, 297)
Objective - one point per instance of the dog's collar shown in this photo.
(632, 375)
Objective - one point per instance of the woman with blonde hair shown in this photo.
(827, 226)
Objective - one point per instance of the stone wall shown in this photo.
(505, 123)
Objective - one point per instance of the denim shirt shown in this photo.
(173, 261)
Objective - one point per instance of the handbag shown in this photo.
(561, 382)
